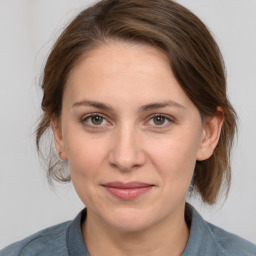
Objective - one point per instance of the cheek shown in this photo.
(175, 158)
(85, 155)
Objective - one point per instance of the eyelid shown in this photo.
(92, 115)
(162, 115)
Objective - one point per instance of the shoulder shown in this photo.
(50, 241)
(231, 244)
(208, 239)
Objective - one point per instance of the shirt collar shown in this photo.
(199, 243)
(75, 241)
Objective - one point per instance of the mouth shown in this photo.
(127, 191)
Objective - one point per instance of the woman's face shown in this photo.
(131, 136)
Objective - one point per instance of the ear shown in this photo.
(211, 135)
(58, 138)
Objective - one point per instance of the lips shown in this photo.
(127, 191)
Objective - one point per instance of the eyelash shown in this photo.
(87, 117)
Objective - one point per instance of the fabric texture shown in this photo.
(66, 240)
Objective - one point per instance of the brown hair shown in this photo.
(195, 60)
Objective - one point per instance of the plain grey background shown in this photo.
(28, 29)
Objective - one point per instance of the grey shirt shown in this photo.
(66, 239)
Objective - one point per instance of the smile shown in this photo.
(127, 191)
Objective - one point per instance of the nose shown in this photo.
(127, 152)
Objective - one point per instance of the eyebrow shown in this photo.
(164, 104)
(143, 108)
(95, 104)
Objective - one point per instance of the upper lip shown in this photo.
(135, 184)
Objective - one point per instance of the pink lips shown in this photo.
(127, 191)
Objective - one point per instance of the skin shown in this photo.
(130, 144)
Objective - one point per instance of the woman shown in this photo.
(135, 94)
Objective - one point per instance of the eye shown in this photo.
(95, 120)
(160, 120)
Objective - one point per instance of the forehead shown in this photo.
(122, 57)
(131, 72)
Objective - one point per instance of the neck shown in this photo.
(166, 238)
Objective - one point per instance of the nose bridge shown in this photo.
(127, 151)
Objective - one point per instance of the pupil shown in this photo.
(97, 120)
(159, 120)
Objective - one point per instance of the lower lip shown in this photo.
(128, 193)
